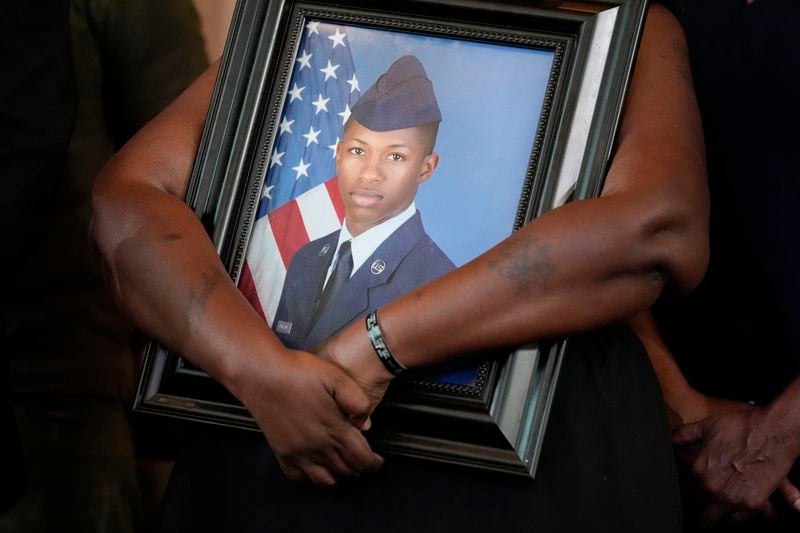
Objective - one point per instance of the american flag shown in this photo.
(300, 200)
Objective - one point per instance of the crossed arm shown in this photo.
(583, 265)
(165, 273)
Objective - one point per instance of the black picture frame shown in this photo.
(498, 420)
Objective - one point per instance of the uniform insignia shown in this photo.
(378, 266)
(284, 327)
(325, 249)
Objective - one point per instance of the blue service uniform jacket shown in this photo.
(407, 259)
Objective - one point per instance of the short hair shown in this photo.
(429, 132)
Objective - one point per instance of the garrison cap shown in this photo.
(401, 98)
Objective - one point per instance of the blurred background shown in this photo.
(215, 18)
(88, 463)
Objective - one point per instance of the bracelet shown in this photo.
(379, 344)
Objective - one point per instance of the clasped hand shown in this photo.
(312, 415)
(741, 458)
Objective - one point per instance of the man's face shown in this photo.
(379, 173)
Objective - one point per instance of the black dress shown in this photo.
(737, 335)
(606, 465)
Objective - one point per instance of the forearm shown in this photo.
(588, 263)
(684, 403)
(555, 277)
(165, 272)
(162, 267)
(167, 276)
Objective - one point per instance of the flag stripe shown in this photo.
(248, 288)
(267, 269)
(301, 201)
(318, 212)
(289, 230)
(336, 199)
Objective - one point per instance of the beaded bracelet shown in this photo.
(379, 344)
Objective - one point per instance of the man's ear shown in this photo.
(429, 165)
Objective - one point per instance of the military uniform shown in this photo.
(407, 259)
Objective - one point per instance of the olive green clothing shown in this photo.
(72, 365)
(64, 334)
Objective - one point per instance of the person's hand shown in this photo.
(741, 458)
(310, 412)
(352, 351)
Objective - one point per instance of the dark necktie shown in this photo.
(339, 276)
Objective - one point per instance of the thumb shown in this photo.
(790, 494)
(688, 434)
(352, 400)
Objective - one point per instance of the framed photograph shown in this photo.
(356, 150)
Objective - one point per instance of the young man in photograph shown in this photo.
(382, 250)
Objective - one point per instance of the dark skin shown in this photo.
(742, 457)
(740, 454)
(583, 265)
(167, 276)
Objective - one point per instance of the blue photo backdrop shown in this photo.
(491, 99)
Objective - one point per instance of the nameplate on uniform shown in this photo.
(283, 327)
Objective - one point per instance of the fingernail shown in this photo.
(796, 504)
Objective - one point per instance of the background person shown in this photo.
(72, 363)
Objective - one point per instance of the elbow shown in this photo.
(101, 230)
(675, 242)
(101, 199)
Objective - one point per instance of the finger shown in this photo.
(688, 434)
(291, 472)
(356, 452)
(352, 400)
(317, 474)
(790, 494)
(336, 464)
(367, 425)
(360, 423)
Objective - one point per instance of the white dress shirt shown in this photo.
(365, 244)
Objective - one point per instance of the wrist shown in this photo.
(353, 351)
(380, 346)
(687, 404)
(784, 416)
(248, 356)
